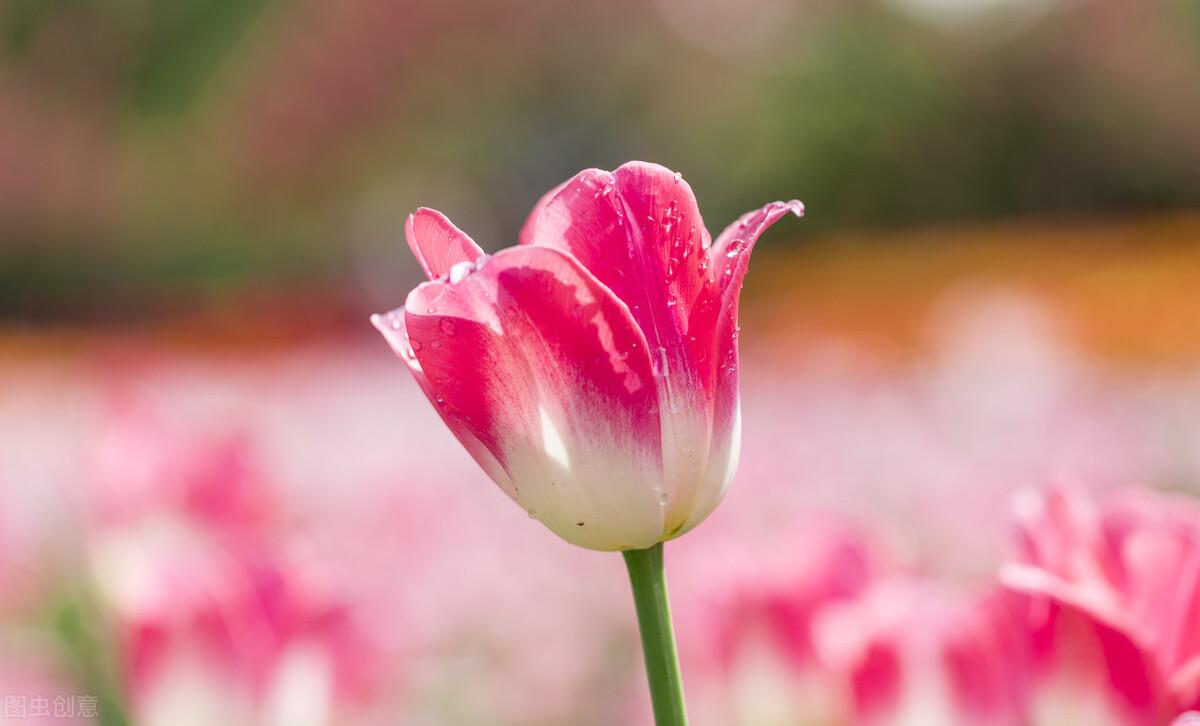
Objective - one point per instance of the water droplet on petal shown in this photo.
(431, 310)
(460, 270)
(662, 498)
(436, 344)
(416, 346)
(678, 177)
(448, 326)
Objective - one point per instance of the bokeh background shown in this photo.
(996, 286)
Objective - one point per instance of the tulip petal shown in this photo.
(529, 355)
(1087, 671)
(639, 231)
(437, 243)
(717, 310)
(395, 330)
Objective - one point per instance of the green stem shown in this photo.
(658, 635)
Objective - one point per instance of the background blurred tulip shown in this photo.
(912, 652)
(1132, 564)
(752, 657)
(214, 622)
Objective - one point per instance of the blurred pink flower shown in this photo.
(752, 657)
(591, 370)
(163, 509)
(216, 624)
(141, 466)
(261, 646)
(911, 652)
(1132, 568)
(1083, 670)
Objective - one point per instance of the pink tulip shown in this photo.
(913, 653)
(592, 371)
(1082, 670)
(757, 661)
(1132, 567)
(216, 622)
(249, 642)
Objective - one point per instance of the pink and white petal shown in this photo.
(395, 331)
(437, 244)
(714, 477)
(548, 370)
(716, 312)
(639, 231)
(1087, 671)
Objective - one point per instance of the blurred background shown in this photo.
(207, 455)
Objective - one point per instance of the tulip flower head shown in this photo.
(592, 370)
(1132, 567)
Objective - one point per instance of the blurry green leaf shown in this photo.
(88, 645)
(19, 23)
(183, 43)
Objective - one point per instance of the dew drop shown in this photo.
(460, 270)
(436, 344)
(448, 326)
(416, 346)
(431, 310)
(662, 498)
(678, 177)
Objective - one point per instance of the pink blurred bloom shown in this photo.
(1133, 568)
(1083, 670)
(216, 624)
(261, 646)
(914, 653)
(160, 504)
(591, 370)
(141, 466)
(755, 659)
